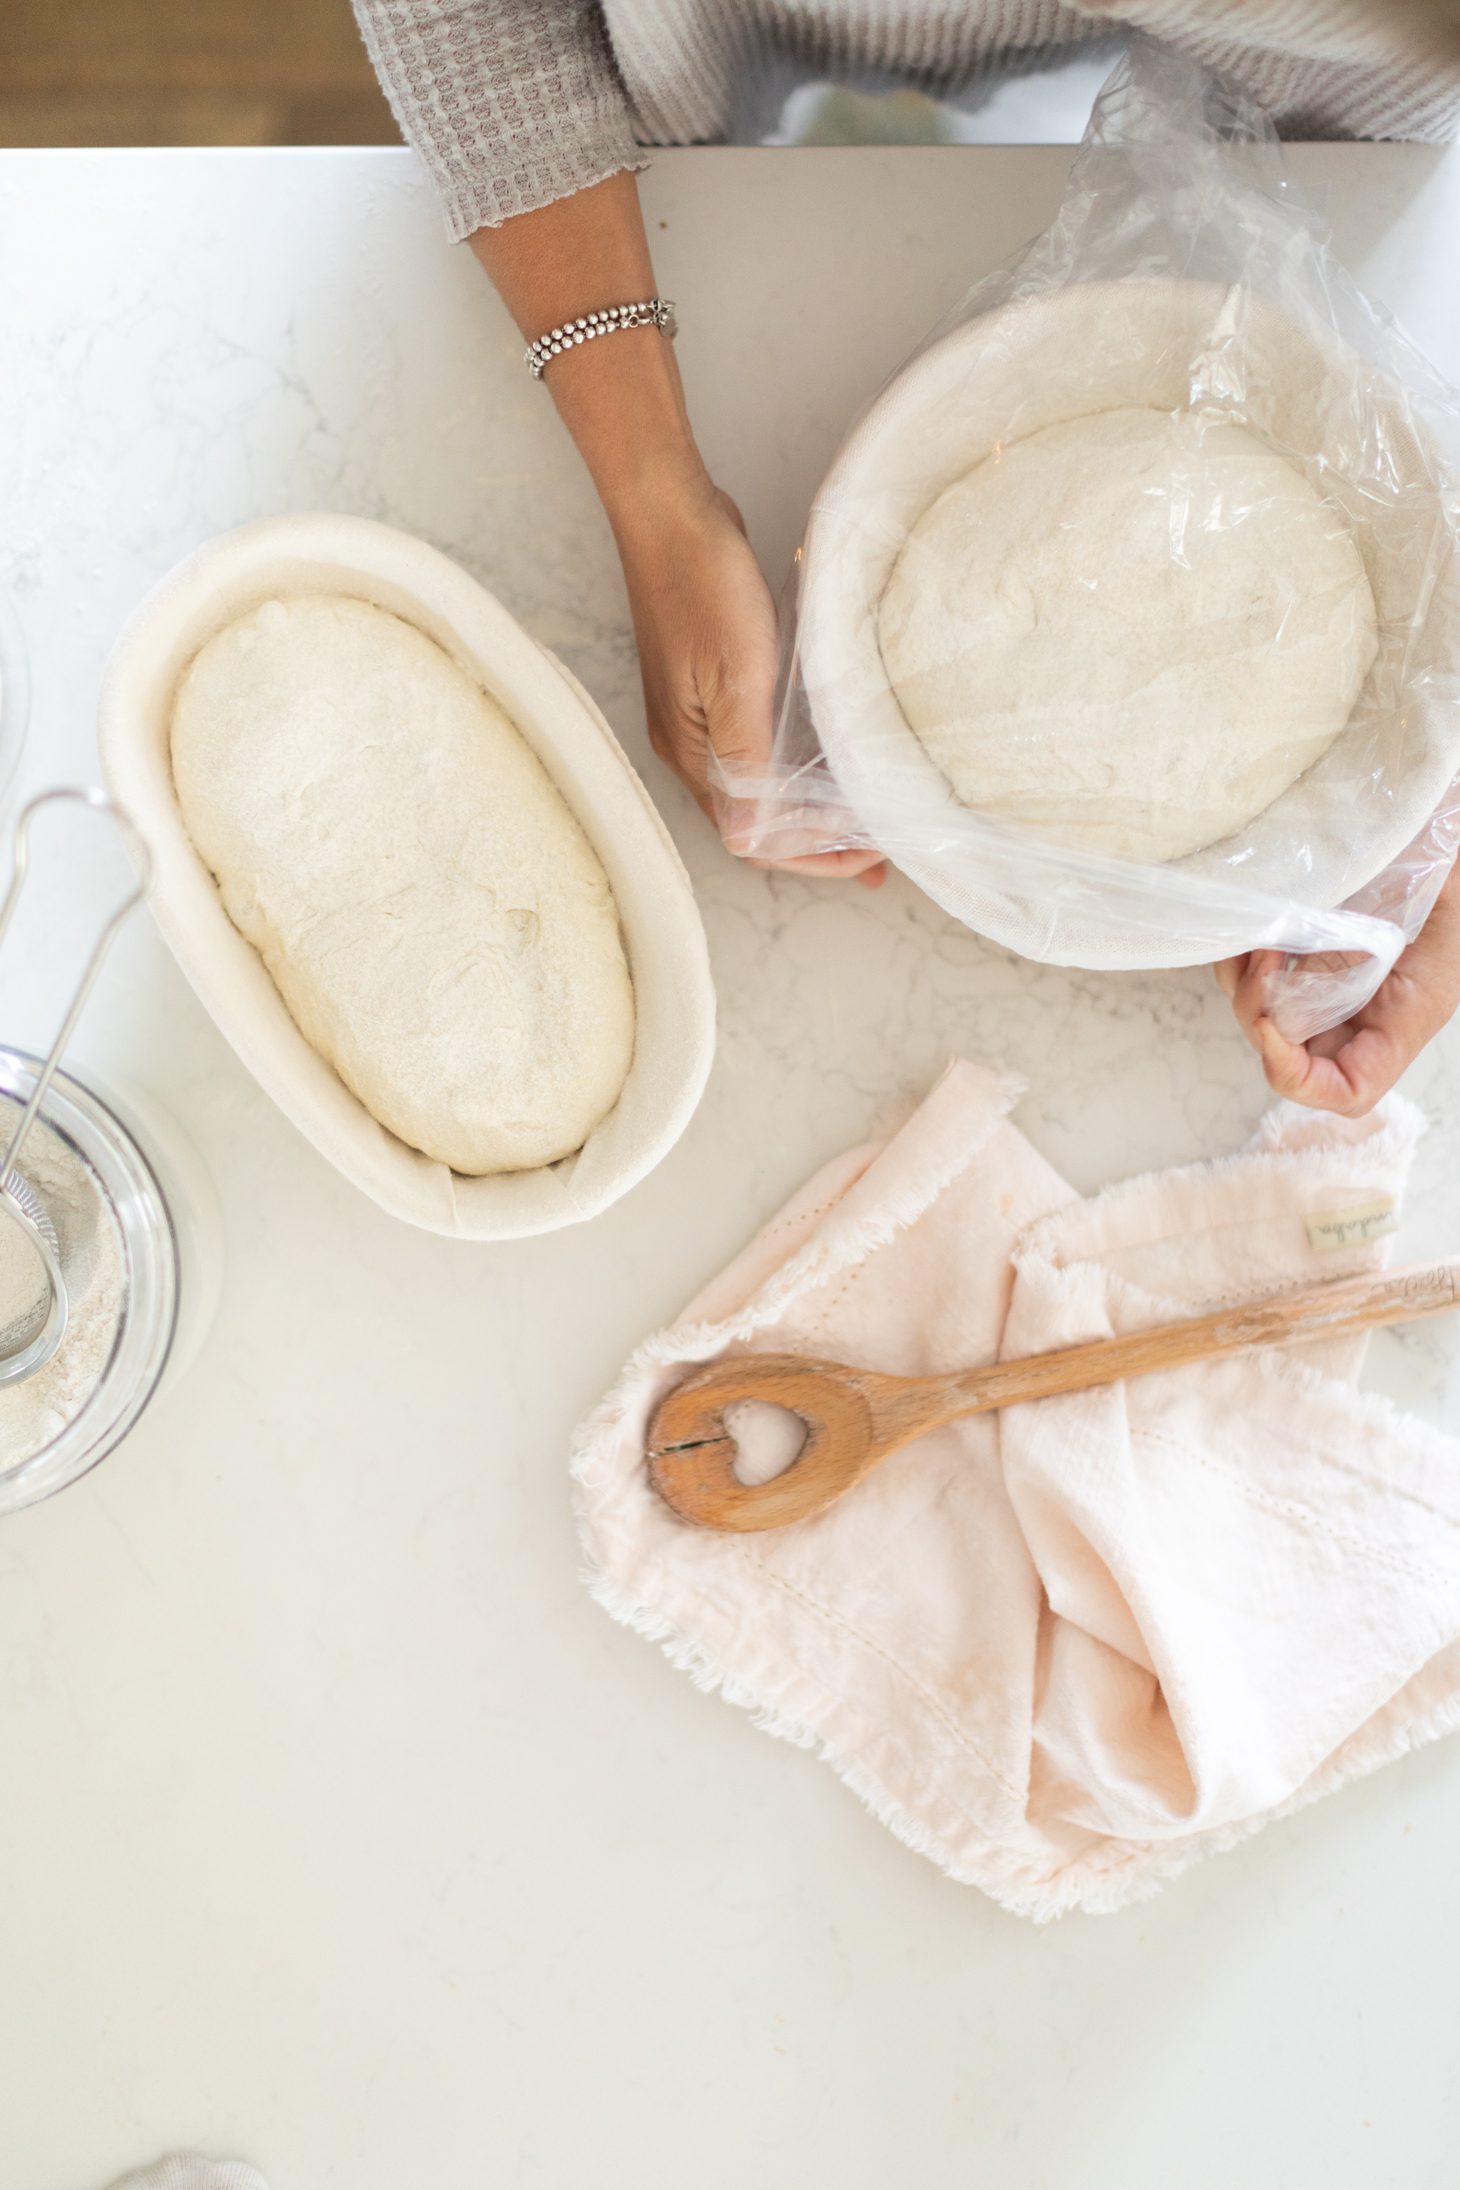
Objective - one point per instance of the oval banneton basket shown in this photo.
(1166, 345)
(664, 939)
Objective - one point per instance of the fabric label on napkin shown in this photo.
(1353, 1227)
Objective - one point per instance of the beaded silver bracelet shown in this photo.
(654, 312)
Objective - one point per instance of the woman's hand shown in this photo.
(705, 624)
(708, 649)
(1351, 1066)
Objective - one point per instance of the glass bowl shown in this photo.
(128, 1187)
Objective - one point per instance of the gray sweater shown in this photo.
(512, 103)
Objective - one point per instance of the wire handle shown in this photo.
(98, 802)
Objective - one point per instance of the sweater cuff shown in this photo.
(483, 194)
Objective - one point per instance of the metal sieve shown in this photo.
(33, 1343)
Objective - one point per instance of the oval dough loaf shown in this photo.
(431, 912)
(1129, 633)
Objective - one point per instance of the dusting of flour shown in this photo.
(431, 912)
(1130, 632)
(33, 1413)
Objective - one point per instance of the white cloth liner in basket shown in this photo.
(663, 936)
(1070, 352)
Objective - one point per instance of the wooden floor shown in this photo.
(116, 72)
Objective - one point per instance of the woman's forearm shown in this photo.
(704, 622)
(620, 397)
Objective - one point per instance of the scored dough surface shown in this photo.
(432, 914)
(1129, 633)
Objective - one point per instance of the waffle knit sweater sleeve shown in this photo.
(509, 103)
(513, 103)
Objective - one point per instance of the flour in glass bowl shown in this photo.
(34, 1412)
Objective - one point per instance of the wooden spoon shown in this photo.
(855, 1417)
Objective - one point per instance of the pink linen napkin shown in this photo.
(1066, 1650)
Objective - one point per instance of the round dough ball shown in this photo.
(1128, 633)
(432, 914)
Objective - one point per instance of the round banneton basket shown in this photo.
(674, 1004)
(1162, 345)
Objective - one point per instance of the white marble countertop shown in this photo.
(339, 1829)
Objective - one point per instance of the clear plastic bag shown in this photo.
(1182, 278)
